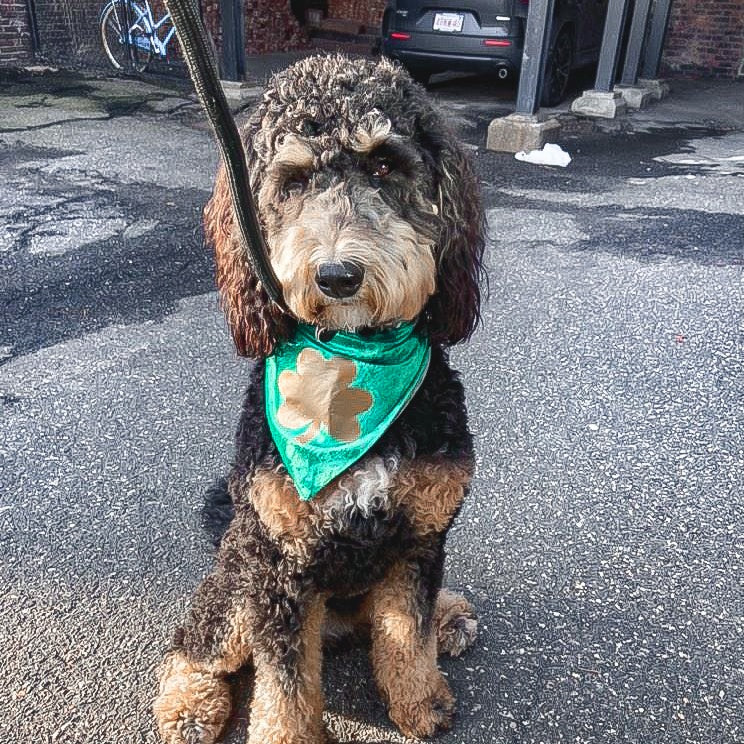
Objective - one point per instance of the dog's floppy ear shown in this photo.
(256, 323)
(454, 310)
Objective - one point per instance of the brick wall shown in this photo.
(269, 26)
(367, 12)
(705, 37)
(15, 34)
(69, 32)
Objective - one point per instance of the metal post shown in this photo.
(233, 51)
(655, 43)
(635, 42)
(534, 56)
(611, 41)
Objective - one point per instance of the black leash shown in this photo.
(196, 52)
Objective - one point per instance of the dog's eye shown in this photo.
(381, 168)
(310, 128)
(294, 185)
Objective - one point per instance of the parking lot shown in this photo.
(603, 541)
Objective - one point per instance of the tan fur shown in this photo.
(236, 647)
(405, 660)
(191, 699)
(298, 524)
(399, 266)
(347, 628)
(281, 716)
(455, 622)
(294, 152)
(371, 132)
(281, 510)
(430, 490)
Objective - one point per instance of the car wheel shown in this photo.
(558, 69)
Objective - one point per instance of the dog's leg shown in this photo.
(194, 703)
(454, 619)
(287, 702)
(404, 653)
(455, 622)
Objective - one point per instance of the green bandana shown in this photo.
(328, 402)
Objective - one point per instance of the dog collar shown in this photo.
(328, 402)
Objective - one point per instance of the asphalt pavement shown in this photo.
(603, 542)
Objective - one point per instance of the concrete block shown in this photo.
(634, 95)
(239, 90)
(520, 132)
(598, 103)
(659, 88)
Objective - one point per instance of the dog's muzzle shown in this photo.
(339, 280)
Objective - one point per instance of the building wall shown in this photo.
(269, 26)
(15, 33)
(705, 37)
(69, 32)
(367, 12)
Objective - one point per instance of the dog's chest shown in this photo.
(363, 531)
(360, 494)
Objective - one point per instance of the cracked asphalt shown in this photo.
(603, 542)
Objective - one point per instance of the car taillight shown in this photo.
(400, 36)
(497, 42)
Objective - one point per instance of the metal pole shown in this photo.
(233, 63)
(240, 38)
(635, 42)
(534, 55)
(611, 40)
(655, 43)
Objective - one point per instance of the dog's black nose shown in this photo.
(339, 280)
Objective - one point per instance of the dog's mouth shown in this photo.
(339, 314)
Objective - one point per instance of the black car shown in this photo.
(488, 36)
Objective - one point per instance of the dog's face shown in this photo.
(368, 205)
(349, 222)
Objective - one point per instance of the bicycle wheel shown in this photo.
(113, 38)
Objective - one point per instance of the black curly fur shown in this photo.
(270, 586)
(217, 511)
(350, 559)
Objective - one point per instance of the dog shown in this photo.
(375, 231)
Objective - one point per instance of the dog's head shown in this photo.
(369, 207)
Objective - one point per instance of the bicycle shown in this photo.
(141, 41)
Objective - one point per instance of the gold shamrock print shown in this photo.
(318, 394)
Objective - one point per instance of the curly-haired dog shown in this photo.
(373, 222)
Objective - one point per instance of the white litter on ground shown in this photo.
(550, 155)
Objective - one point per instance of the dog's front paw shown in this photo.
(424, 716)
(192, 705)
(455, 622)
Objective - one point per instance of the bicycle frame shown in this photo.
(145, 18)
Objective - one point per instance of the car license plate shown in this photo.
(451, 22)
